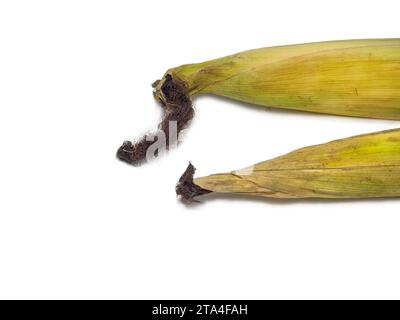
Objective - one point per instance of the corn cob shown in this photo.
(364, 166)
(352, 78)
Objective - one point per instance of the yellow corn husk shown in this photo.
(352, 77)
(365, 166)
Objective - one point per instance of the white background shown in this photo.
(76, 223)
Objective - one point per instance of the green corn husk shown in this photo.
(351, 77)
(364, 166)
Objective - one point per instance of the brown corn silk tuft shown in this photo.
(177, 106)
(186, 189)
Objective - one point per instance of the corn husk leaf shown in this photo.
(364, 166)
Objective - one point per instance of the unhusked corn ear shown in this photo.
(364, 166)
(351, 77)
